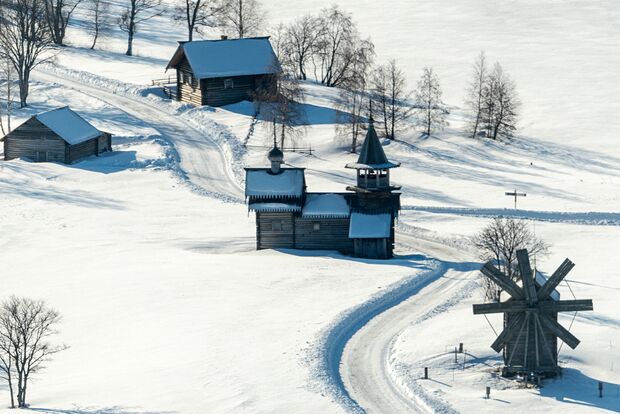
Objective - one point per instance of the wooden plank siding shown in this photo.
(189, 89)
(34, 141)
(275, 230)
(332, 234)
(516, 349)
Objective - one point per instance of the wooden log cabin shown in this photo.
(359, 222)
(60, 135)
(225, 71)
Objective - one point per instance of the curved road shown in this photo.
(364, 367)
(201, 160)
(364, 364)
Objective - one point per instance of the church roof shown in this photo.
(262, 183)
(372, 155)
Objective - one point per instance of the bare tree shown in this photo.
(429, 106)
(6, 77)
(99, 25)
(389, 89)
(57, 14)
(302, 39)
(500, 105)
(352, 114)
(282, 97)
(340, 53)
(24, 39)
(138, 12)
(499, 241)
(198, 14)
(476, 94)
(25, 328)
(242, 18)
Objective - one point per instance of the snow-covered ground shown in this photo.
(149, 254)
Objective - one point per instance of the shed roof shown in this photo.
(68, 125)
(326, 205)
(372, 155)
(227, 57)
(370, 226)
(262, 183)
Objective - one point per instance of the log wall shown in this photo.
(268, 236)
(530, 343)
(190, 92)
(34, 141)
(332, 234)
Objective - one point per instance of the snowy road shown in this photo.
(201, 160)
(364, 366)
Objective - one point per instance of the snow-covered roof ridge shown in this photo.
(228, 57)
(68, 125)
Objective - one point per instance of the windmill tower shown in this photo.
(531, 328)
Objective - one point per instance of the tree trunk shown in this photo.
(130, 34)
(23, 89)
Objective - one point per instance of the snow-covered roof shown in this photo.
(541, 280)
(228, 57)
(68, 125)
(266, 207)
(370, 226)
(262, 183)
(326, 206)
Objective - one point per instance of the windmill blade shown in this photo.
(555, 279)
(510, 306)
(527, 276)
(561, 332)
(544, 340)
(507, 333)
(502, 280)
(566, 305)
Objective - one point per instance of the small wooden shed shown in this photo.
(59, 135)
(225, 71)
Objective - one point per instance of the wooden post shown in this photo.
(488, 392)
(455, 356)
(460, 347)
(600, 389)
(425, 372)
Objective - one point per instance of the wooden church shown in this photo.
(358, 222)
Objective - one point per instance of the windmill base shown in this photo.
(544, 372)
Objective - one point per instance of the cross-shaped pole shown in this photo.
(515, 194)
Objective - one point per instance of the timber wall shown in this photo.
(34, 141)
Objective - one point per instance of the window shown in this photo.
(228, 84)
(316, 226)
(276, 226)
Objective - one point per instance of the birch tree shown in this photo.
(138, 12)
(475, 98)
(25, 39)
(429, 106)
(389, 89)
(26, 327)
(242, 18)
(302, 39)
(57, 14)
(99, 24)
(198, 15)
(6, 83)
(500, 105)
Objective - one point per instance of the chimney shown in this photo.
(224, 37)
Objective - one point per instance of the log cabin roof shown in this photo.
(372, 156)
(261, 183)
(326, 205)
(227, 57)
(370, 226)
(65, 123)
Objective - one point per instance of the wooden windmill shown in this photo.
(531, 328)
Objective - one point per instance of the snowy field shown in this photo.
(149, 254)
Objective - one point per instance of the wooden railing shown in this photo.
(168, 86)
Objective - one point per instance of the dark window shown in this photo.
(316, 226)
(276, 225)
(228, 84)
